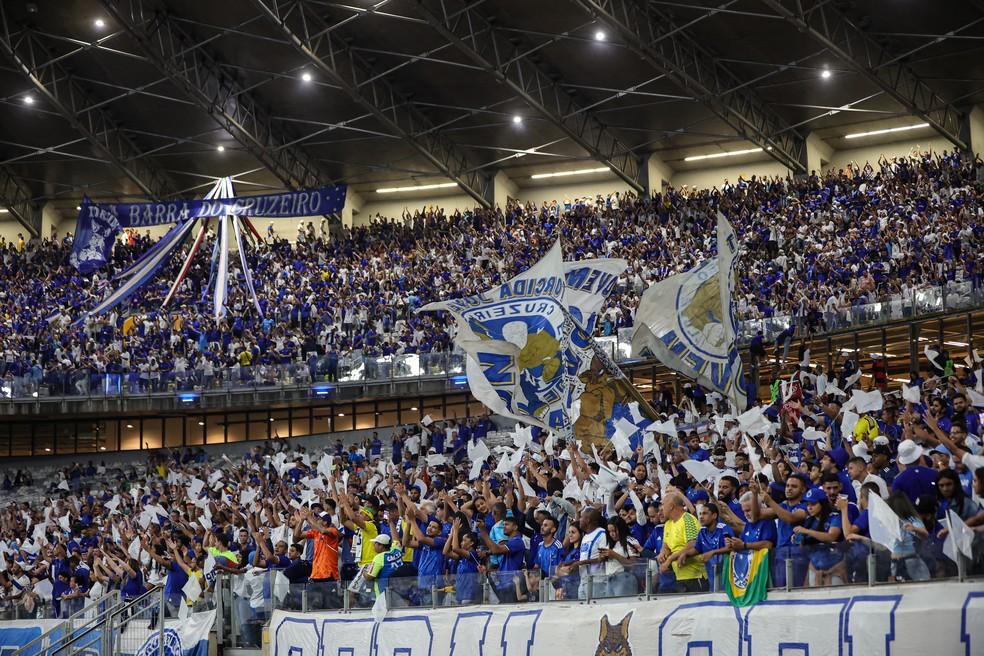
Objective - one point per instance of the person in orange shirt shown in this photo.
(324, 564)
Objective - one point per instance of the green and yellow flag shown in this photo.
(746, 576)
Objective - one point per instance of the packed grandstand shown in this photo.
(454, 512)
(813, 249)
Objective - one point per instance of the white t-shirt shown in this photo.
(591, 546)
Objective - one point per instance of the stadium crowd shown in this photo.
(810, 249)
(460, 511)
(436, 511)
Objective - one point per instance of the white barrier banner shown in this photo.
(916, 619)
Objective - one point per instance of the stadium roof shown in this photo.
(134, 98)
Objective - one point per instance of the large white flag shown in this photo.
(959, 539)
(687, 321)
(884, 525)
(518, 339)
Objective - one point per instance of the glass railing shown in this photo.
(320, 374)
(248, 600)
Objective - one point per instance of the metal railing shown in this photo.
(320, 376)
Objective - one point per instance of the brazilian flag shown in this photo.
(746, 576)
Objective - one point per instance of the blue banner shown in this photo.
(99, 223)
(305, 202)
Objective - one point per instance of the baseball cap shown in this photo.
(382, 539)
(881, 449)
(814, 495)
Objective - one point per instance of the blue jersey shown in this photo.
(784, 531)
(431, 564)
(915, 482)
(548, 557)
(709, 540)
(763, 529)
(514, 559)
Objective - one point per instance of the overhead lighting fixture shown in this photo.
(271, 419)
(102, 448)
(341, 414)
(731, 153)
(201, 423)
(956, 343)
(47, 450)
(78, 208)
(564, 174)
(129, 425)
(414, 408)
(28, 100)
(306, 77)
(517, 119)
(904, 128)
(3, 210)
(99, 23)
(825, 74)
(599, 36)
(221, 149)
(394, 190)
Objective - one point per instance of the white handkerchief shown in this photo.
(863, 402)
(911, 394)
(195, 487)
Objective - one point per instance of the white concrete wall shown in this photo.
(870, 153)
(568, 189)
(393, 207)
(715, 177)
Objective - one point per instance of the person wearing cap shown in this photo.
(387, 559)
(881, 461)
(512, 551)
(818, 535)
(361, 521)
(324, 563)
(913, 479)
(788, 515)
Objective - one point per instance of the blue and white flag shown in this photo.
(94, 237)
(519, 338)
(687, 321)
(182, 637)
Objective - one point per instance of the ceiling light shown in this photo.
(599, 36)
(306, 77)
(102, 448)
(99, 23)
(414, 408)
(956, 343)
(271, 419)
(825, 74)
(564, 174)
(393, 190)
(517, 119)
(201, 423)
(732, 153)
(28, 100)
(221, 149)
(341, 414)
(3, 210)
(47, 450)
(129, 425)
(872, 133)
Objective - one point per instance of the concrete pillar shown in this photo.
(818, 153)
(974, 130)
(656, 174)
(353, 205)
(503, 188)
